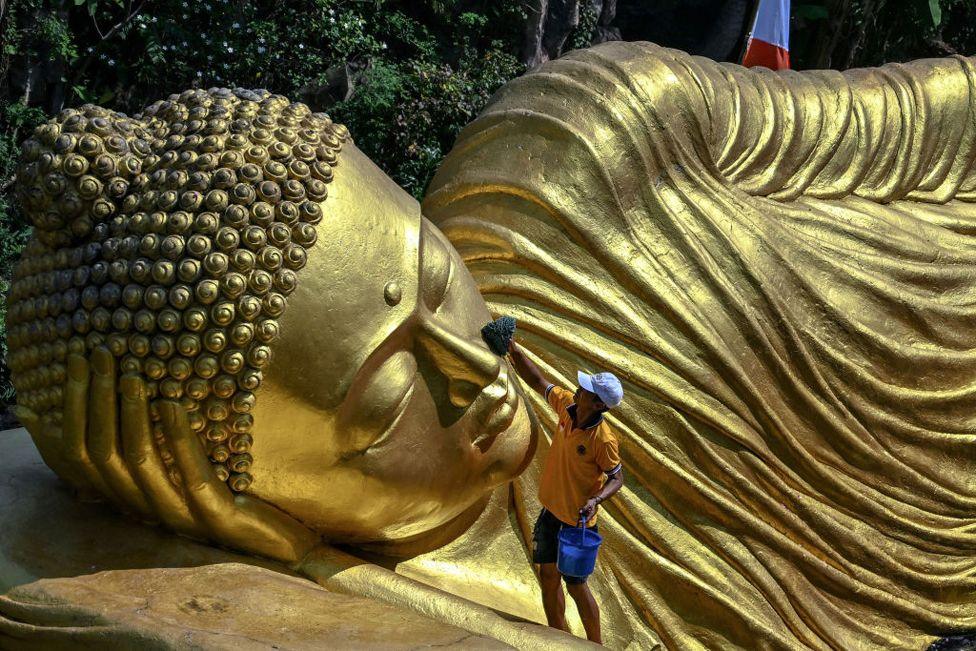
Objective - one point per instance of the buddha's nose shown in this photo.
(468, 367)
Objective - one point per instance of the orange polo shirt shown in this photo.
(579, 460)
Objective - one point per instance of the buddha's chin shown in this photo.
(510, 452)
(432, 538)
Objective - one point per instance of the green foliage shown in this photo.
(855, 33)
(413, 111)
(16, 120)
(54, 31)
(440, 59)
(582, 36)
(810, 12)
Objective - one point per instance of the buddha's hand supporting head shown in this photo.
(176, 240)
(104, 445)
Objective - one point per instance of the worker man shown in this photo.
(581, 470)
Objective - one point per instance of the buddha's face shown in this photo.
(383, 414)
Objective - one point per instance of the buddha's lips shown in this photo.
(499, 416)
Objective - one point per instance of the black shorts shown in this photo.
(545, 535)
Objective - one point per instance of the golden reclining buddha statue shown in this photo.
(780, 266)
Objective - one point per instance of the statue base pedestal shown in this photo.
(80, 575)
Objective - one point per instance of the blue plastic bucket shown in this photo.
(578, 547)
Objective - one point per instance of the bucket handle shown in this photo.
(582, 525)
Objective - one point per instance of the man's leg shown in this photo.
(553, 600)
(545, 535)
(588, 610)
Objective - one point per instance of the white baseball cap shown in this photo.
(605, 385)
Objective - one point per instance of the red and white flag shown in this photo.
(769, 41)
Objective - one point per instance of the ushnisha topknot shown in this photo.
(172, 237)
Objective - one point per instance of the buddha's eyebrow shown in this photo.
(435, 282)
(447, 283)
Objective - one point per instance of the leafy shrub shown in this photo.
(17, 120)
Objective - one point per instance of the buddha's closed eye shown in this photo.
(378, 397)
(436, 270)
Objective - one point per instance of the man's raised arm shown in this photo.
(526, 369)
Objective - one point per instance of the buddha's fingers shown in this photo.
(74, 449)
(207, 496)
(242, 521)
(143, 460)
(273, 533)
(103, 434)
(30, 420)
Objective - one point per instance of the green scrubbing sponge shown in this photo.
(498, 334)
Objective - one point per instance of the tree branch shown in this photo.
(131, 13)
(944, 48)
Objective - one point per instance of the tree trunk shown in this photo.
(830, 33)
(551, 22)
(535, 24)
(605, 29)
(562, 19)
(871, 10)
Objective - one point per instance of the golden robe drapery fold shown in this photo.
(782, 268)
